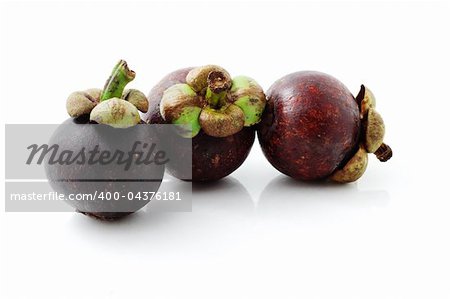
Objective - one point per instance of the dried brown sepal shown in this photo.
(137, 98)
(82, 102)
(374, 128)
(367, 102)
(360, 95)
(354, 169)
(197, 78)
(175, 99)
(224, 122)
(115, 112)
(373, 123)
(93, 94)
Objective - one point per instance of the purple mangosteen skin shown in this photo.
(212, 158)
(311, 125)
(88, 137)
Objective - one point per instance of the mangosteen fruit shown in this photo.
(314, 129)
(107, 161)
(215, 111)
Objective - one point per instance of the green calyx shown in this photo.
(113, 105)
(241, 82)
(212, 101)
(189, 121)
(181, 106)
(248, 96)
(251, 111)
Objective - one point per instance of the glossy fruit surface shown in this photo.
(311, 125)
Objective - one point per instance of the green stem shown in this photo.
(215, 100)
(216, 92)
(119, 78)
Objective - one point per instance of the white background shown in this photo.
(256, 234)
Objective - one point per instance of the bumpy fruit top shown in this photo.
(213, 102)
